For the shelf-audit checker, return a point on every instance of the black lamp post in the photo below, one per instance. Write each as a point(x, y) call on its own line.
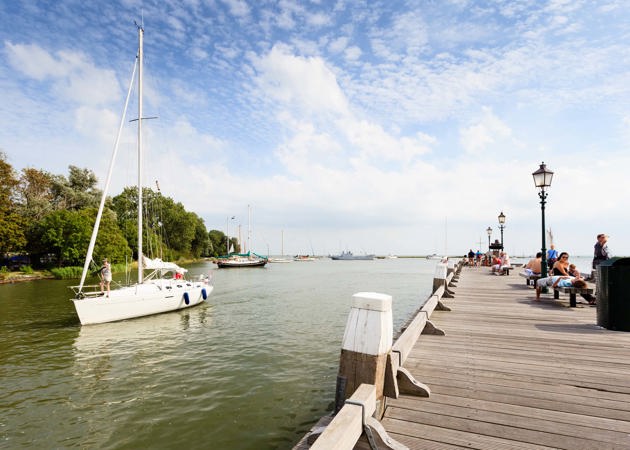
point(542, 180)
point(502, 226)
point(489, 231)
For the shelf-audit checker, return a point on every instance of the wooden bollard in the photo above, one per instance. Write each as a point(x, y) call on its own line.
point(366, 342)
point(439, 279)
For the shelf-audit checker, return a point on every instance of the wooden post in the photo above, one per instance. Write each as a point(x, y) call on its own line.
point(366, 342)
point(439, 279)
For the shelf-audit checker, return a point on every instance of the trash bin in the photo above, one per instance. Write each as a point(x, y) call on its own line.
point(613, 294)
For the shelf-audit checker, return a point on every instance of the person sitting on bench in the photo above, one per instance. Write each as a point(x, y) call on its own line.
point(533, 266)
point(559, 281)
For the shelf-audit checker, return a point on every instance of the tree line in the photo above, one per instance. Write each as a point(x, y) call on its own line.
point(50, 217)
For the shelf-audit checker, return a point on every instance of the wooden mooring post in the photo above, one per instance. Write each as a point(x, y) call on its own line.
point(370, 367)
point(366, 342)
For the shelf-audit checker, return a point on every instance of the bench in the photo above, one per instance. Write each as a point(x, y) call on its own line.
point(528, 278)
point(572, 291)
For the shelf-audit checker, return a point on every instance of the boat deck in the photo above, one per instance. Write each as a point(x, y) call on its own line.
point(513, 373)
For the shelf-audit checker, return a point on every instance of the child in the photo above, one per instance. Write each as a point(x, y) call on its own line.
point(574, 272)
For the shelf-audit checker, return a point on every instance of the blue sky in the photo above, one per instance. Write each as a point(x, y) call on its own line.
point(384, 126)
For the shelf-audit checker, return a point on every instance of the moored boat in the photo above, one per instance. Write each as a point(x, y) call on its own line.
point(349, 256)
point(241, 260)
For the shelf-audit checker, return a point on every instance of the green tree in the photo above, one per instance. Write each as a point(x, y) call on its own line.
point(110, 242)
point(35, 190)
point(76, 192)
point(64, 233)
point(218, 241)
point(200, 244)
point(12, 236)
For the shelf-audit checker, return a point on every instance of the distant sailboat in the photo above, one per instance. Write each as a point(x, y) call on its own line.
point(239, 260)
point(282, 259)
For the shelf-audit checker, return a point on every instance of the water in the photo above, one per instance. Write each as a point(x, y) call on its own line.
point(252, 368)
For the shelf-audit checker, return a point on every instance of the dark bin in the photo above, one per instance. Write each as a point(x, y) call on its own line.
point(613, 294)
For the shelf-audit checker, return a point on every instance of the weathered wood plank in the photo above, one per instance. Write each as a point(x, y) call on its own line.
point(515, 373)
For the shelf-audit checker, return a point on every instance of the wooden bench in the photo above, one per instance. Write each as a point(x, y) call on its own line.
point(528, 278)
point(572, 291)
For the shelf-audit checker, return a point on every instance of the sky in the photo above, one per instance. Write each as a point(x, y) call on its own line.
point(387, 127)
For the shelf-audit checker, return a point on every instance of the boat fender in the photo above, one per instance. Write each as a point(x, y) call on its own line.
point(186, 298)
point(204, 294)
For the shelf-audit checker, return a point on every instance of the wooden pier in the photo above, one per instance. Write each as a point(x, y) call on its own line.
point(513, 373)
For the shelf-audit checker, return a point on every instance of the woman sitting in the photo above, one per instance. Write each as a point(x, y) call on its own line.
point(561, 266)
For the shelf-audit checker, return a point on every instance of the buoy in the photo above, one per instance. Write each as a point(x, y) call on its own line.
point(186, 298)
point(204, 294)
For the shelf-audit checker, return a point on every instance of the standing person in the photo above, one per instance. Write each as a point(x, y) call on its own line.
point(471, 257)
point(552, 255)
point(106, 275)
point(601, 253)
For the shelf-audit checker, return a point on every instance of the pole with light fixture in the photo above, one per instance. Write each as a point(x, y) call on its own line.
point(489, 231)
point(501, 227)
point(542, 180)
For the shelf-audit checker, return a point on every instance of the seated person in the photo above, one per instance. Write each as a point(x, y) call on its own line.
point(561, 266)
point(574, 272)
point(559, 281)
point(496, 264)
point(505, 260)
point(533, 266)
point(502, 263)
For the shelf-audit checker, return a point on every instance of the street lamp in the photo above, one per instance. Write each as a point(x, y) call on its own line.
point(489, 231)
point(542, 180)
point(502, 226)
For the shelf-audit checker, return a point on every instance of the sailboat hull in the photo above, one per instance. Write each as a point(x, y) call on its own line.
point(152, 297)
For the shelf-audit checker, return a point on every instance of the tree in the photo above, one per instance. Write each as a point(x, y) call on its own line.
point(64, 233)
point(110, 242)
point(76, 192)
point(35, 190)
point(12, 237)
point(218, 242)
point(200, 244)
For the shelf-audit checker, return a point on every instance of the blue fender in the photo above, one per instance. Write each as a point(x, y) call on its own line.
point(204, 294)
point(186, 298)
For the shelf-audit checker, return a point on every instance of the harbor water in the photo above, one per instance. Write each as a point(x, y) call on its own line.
point(252, 368)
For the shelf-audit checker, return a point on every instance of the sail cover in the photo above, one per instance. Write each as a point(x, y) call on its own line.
point(158, 264)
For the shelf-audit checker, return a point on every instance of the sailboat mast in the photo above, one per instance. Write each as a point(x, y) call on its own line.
point(249, 227)
point(140, 61)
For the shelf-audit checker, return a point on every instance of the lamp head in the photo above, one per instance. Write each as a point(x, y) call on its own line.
point(543, 176)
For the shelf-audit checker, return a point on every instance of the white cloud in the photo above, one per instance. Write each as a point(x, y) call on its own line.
point(74, 77)
point(35, 62)
point(303, 81)
point(489, 129)
point(238, 8)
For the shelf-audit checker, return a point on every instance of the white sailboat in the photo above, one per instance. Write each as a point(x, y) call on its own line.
point(282, 259)
point(155, 293)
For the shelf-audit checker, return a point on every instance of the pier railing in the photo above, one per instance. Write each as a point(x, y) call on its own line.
point(371, 366)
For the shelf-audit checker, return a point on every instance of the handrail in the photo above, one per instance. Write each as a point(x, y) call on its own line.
point(408, 338)
point(347, 426)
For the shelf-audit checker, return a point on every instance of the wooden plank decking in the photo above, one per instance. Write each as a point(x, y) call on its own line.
point(513, 373)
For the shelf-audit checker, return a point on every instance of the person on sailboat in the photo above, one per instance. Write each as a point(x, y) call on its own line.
point(106, 275)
